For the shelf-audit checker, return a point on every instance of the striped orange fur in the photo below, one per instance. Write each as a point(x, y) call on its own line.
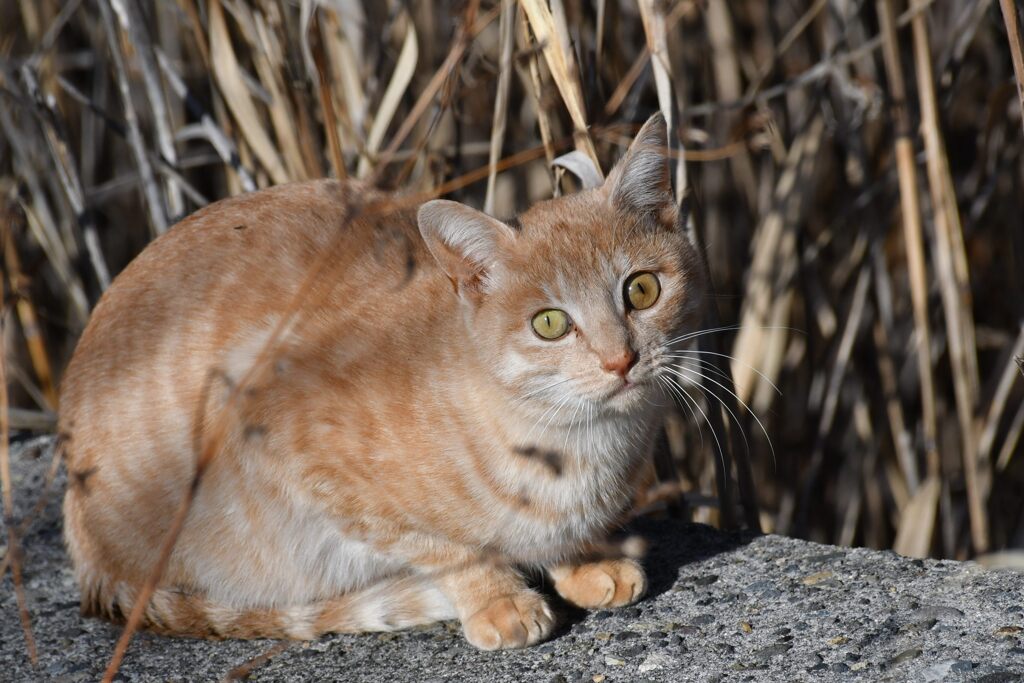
point(415, 447)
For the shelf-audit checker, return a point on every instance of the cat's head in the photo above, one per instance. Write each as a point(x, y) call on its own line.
point(578, 301)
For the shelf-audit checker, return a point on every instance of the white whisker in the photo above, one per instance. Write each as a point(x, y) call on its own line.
point(732, 358)
point(721, 452)
point(740, 401)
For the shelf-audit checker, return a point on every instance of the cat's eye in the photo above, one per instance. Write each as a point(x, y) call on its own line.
point(551, 324)
point(642, 290)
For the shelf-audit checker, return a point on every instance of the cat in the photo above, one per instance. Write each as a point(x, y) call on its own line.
point(459, 401)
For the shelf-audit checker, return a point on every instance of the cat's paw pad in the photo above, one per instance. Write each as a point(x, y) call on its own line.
point(608, 583)
point(511, 621)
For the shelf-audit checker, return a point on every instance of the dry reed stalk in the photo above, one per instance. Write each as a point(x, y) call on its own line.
point(130, 17)
point(918, 518)
point(400, 78)
point(228, 76)
point(13, 541)
point(954, 285)
point(506, 41)
point(343, 57)
point(269, 62)
point(535, 87)
point(1000, 398)
point(1016, 41)
point(27, 313)
point(68, 176)
point(728, 86)
point(836, 376)
point(467, 32)
point(774, 254)
point(154, 201)
point(326, 99)
point(1013, 438)
point(552, 34)
point(901, 438)
point(656, 30)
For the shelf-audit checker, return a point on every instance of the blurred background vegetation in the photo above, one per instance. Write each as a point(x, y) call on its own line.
point(856, 170)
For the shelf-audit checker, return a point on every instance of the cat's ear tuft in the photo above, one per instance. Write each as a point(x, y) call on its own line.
point(640, 182)
point(466, 243)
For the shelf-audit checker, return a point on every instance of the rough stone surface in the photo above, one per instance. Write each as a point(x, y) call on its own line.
point(721, 608)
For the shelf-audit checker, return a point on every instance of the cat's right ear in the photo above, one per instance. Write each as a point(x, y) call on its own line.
point(466, 243)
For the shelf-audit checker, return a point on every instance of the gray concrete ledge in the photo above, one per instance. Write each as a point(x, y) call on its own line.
point(721, 608)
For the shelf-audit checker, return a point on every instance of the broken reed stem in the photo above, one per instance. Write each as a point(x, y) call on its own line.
point(13, 542)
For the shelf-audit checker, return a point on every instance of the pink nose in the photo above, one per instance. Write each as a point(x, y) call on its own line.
point(621, 363)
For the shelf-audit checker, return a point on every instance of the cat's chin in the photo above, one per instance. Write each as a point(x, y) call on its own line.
point(627, 397)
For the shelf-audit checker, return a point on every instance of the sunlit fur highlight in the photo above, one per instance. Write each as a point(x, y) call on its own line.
point(415, 449)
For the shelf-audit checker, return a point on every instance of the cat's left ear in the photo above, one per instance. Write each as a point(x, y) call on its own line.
point(640, 182)
point(466, 243)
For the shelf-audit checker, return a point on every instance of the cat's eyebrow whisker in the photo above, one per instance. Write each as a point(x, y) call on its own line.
point(760, 374)
point(732, 393)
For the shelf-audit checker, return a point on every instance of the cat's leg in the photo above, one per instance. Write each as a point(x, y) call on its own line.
point(496, 607)
point(603, 583)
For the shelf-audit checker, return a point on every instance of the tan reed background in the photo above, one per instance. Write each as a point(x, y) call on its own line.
point(856, 171)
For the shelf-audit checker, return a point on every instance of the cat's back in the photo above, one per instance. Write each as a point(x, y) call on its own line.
point(217, 280)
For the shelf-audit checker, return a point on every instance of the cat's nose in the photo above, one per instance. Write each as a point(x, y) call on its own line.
point(621, 363)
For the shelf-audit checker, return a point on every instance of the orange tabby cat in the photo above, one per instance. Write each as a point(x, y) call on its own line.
point(426, 434)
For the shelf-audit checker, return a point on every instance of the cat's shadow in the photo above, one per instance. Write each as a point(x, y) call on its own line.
point(671, 545)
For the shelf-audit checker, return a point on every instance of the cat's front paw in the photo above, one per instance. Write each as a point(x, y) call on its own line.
point(608, 583)
point(511, 621)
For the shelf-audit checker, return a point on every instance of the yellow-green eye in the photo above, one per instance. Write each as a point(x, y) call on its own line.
point(551, 323)
point(642, 290)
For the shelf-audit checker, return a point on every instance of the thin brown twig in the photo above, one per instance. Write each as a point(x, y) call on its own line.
point(13, 540)
point(326, 101)
point(245, 669)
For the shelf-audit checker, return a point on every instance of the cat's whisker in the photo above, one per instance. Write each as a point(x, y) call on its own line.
point(732, 393)
point(721, 452)
point(731, 358)
point(703, 364)
point(727, 328)
point(701, 333)
point(545, 388)
point(700, 431)
point(551, 411)
point(711, 394)
point(569, 427)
